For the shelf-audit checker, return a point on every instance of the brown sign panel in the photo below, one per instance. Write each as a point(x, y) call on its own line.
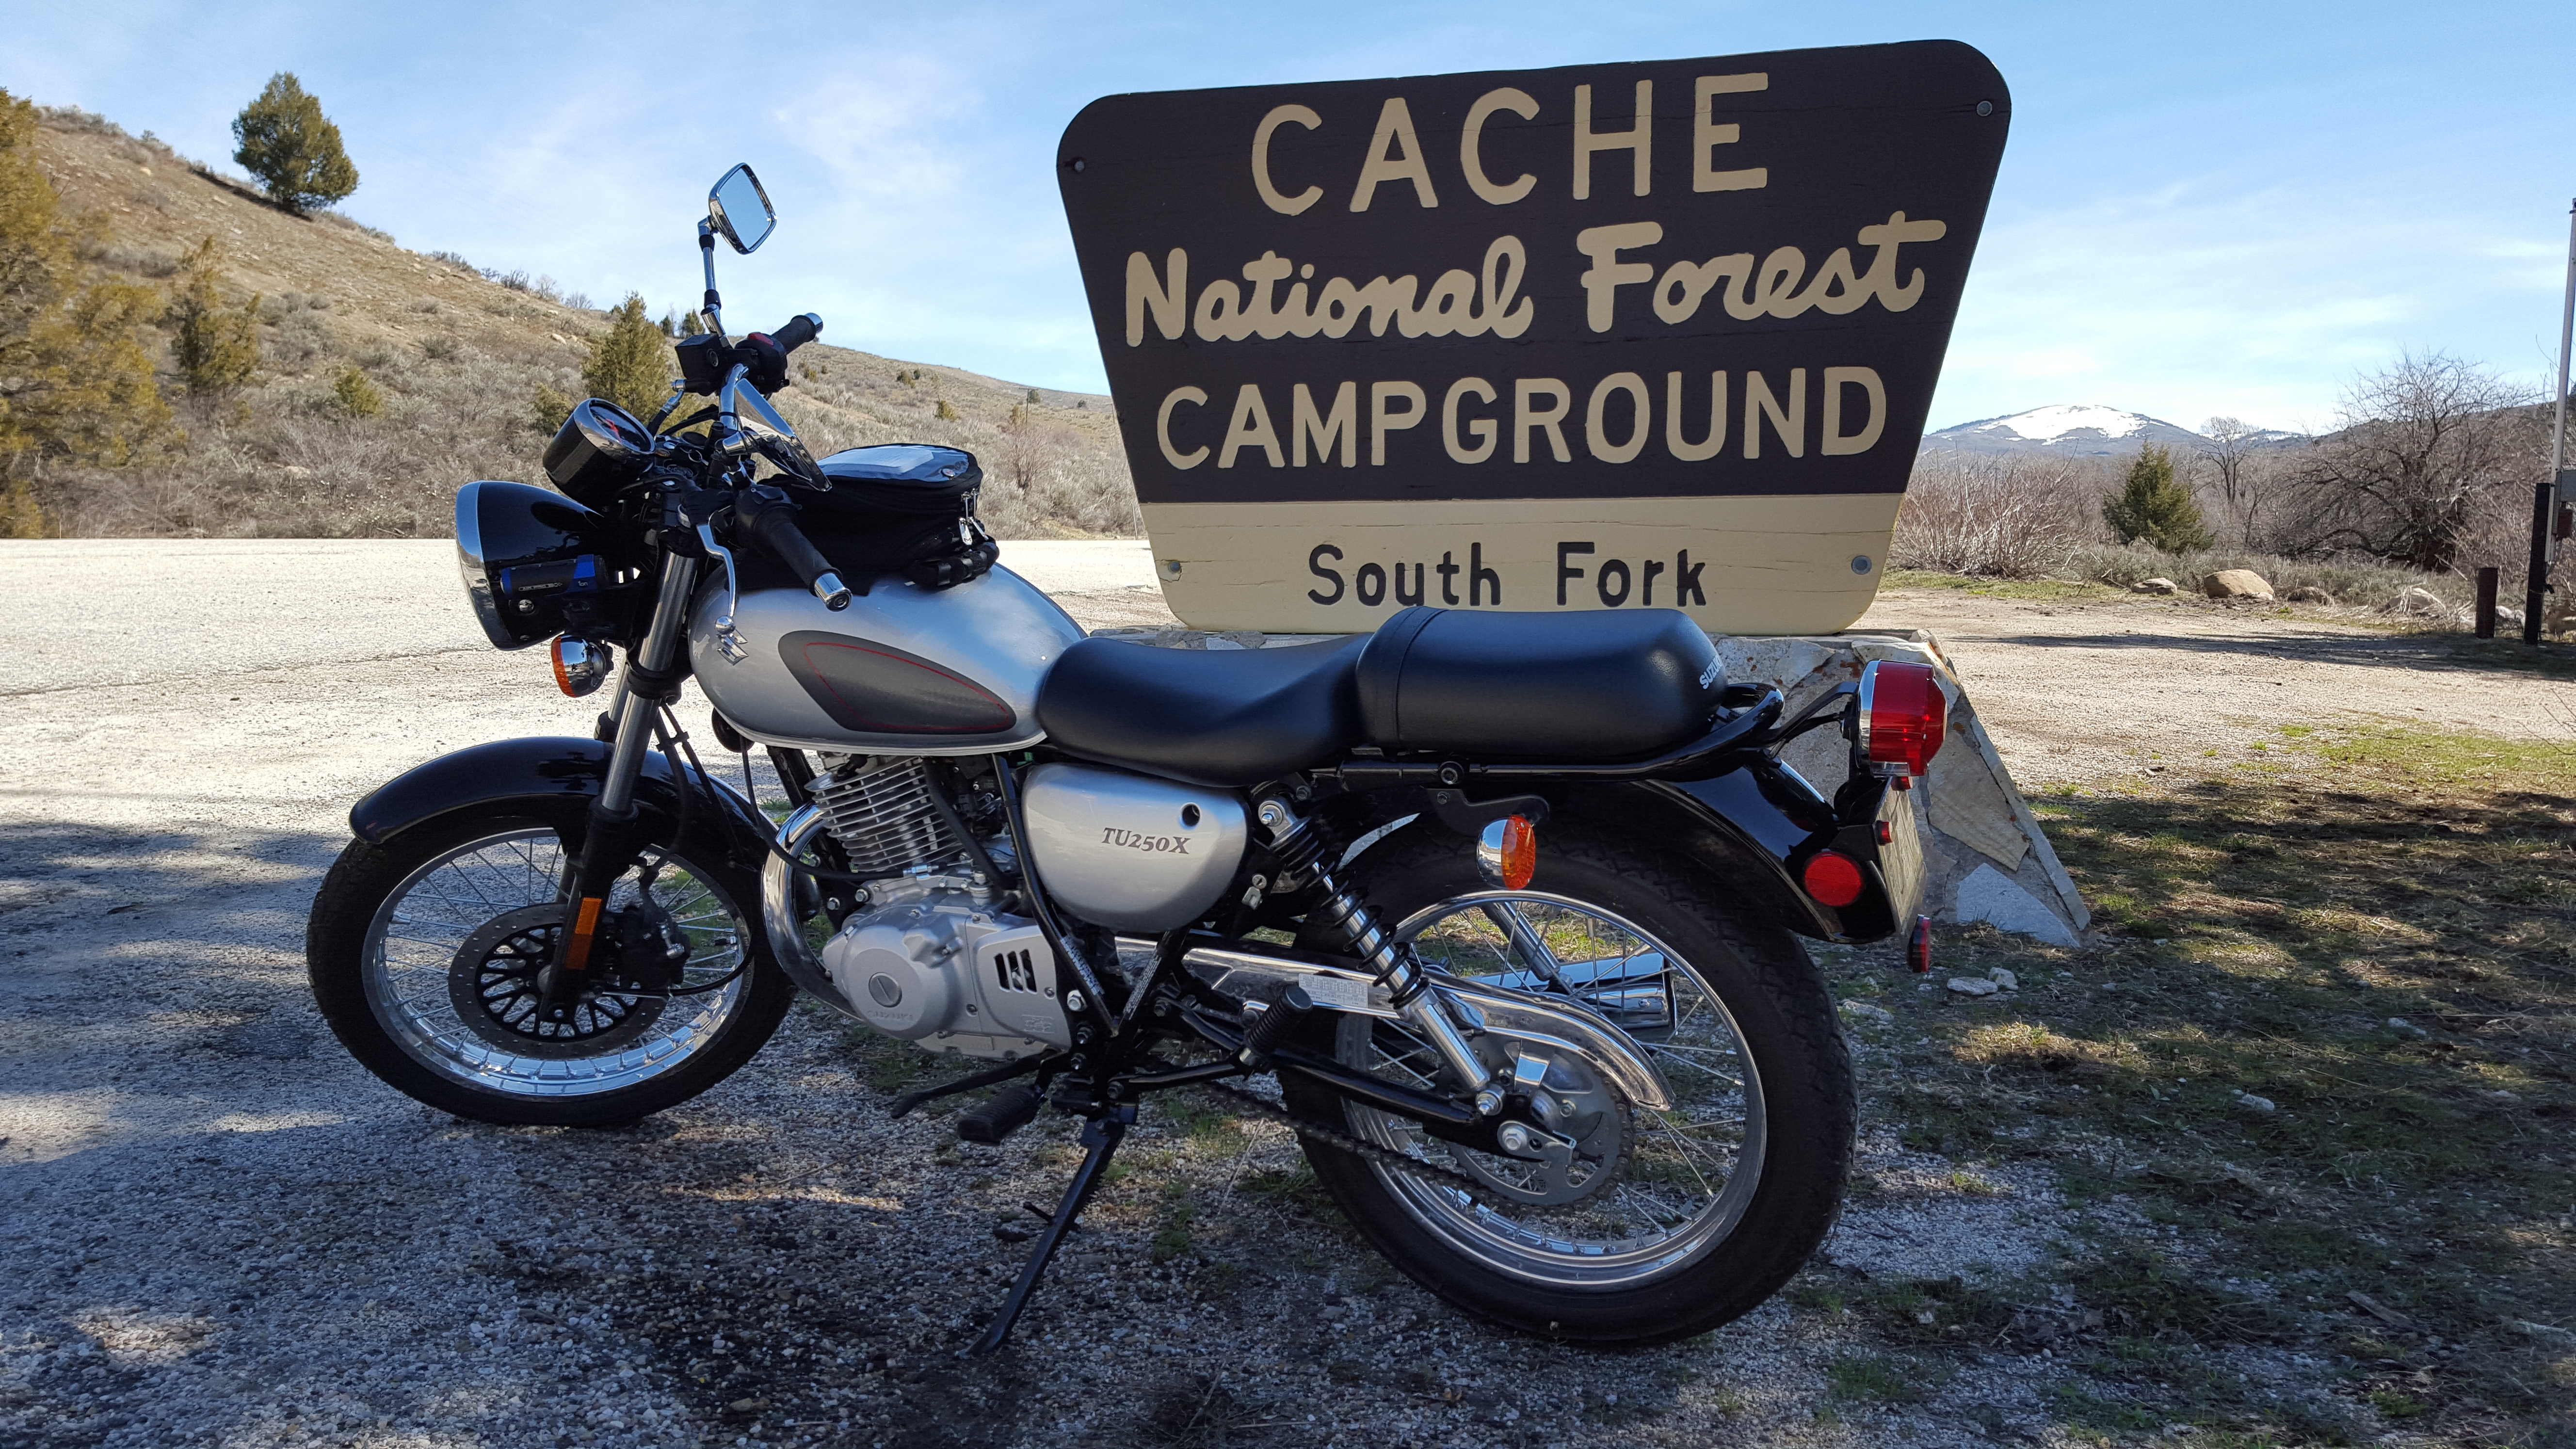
point(1594, 337)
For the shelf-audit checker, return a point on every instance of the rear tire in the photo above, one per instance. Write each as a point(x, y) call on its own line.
point(1677, 1187)
point(393, 925)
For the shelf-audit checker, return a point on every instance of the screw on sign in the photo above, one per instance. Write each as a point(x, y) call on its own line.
point(1659, 334)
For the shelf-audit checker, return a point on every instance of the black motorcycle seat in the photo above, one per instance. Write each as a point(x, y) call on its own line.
point(1206, 717)
point(1593, 685)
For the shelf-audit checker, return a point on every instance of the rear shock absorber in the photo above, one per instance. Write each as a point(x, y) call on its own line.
point(1299, 848)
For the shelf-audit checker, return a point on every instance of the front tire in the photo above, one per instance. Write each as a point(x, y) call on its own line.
point(418, 950)
point(1697, 1214)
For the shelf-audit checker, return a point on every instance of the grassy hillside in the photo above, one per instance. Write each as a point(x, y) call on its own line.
point(457, 357)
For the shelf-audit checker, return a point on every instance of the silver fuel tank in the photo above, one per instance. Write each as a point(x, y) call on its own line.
point(902, 670)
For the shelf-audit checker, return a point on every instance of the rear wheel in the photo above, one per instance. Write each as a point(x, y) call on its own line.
point(1660, 1223)
point(424, 952)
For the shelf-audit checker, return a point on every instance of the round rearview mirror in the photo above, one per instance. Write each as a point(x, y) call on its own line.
point(740, 209)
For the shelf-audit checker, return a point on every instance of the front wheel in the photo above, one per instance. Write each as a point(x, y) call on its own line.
point(424, 953)
point(1660, 1224)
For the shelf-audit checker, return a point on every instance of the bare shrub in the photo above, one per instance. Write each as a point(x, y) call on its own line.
point(1028, 447)
point(2352, 578)
point(2006, 517)
point(2426, 447)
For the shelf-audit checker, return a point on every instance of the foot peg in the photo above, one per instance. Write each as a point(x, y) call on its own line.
point(1271, 1029)
point(1007, 1112)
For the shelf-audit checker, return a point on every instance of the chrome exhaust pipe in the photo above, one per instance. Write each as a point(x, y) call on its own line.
point(784, 919)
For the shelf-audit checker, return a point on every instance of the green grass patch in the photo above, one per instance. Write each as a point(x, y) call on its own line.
point(883, 1063)
point(2224, 1062)
point(1868, 1378)
point(2066, 589)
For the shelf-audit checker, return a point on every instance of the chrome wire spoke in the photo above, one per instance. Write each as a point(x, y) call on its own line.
point(610, 1041)
point(1677, 1178)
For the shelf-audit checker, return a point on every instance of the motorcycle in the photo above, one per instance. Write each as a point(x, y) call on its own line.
point(1505, 906)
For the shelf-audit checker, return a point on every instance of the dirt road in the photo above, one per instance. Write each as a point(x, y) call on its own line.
point(217, 1229)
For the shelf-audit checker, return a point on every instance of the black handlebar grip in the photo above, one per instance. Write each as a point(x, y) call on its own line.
point(799, 330)
point(770, 518)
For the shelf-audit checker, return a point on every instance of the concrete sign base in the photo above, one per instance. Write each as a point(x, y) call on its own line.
point(1985, 856)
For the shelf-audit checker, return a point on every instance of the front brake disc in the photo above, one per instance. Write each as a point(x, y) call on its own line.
point(492, 984)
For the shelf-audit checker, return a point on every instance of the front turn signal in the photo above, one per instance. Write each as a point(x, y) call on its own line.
point(580, 665)
point(1507, 853)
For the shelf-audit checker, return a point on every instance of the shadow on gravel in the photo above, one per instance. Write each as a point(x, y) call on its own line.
point(2402, 651)
point(56, 874)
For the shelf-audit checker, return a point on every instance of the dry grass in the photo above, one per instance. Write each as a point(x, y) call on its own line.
point(457, 357)
point(2371, 931)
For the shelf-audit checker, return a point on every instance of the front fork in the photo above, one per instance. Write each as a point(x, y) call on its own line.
point(615, 830)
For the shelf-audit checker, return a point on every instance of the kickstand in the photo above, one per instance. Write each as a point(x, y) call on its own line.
point(907, 1104)
point(1100, 1138)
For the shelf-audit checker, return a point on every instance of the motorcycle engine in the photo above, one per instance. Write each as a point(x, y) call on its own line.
point(927, 956)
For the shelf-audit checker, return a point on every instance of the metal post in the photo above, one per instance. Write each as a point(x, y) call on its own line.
point(2487, 602)
point(2544, 503)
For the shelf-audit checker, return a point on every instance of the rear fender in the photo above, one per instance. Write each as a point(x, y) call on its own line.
point(1757, 825)
point(553, 779)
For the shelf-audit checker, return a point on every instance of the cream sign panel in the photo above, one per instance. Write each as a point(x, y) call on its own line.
point(1599, 337)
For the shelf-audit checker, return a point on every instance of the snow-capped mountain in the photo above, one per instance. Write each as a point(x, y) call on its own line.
point(2065, 428)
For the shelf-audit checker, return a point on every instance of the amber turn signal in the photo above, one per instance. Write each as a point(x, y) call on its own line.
point(1833, 878)
point(1507, 853)
point(580, 665)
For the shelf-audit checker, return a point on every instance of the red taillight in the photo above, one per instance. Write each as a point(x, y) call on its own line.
point(1903, 715)
point(1833, 878)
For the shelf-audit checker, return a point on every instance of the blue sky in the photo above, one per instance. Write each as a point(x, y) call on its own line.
point(2204, 208)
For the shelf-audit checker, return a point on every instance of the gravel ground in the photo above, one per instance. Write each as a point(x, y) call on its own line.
point(215, 1228)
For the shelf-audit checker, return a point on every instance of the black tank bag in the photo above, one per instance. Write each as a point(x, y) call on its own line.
point(894, 508)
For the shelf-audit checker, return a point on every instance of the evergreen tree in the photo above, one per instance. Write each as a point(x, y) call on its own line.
point(631, 363)
point(217, 347)
point(356, 395)
point(550, 405)
point(691, 325)
point(292, 148)
point(75, 381)
point(2155, 506)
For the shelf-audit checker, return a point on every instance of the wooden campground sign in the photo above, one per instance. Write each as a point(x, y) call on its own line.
point(1603, 336)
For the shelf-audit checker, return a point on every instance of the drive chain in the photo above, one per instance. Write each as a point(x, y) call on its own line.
point(1382, 1156)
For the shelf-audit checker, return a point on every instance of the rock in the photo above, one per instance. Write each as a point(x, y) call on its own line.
point(1010, 1234)
point(2156, 586)
point(2403, 1027)
point(2004, 979)
point(1973, 986)
point(2418, 603)
point(2307, 594)
point(2252, 1103)
point(2236, 584)
point(1864, 1011)
point(1991, 896)
point(2509, 618)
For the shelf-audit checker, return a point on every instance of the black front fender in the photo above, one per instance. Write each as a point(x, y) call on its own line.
point(553, 779)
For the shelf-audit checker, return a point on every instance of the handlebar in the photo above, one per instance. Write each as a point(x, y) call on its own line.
point(799, 330)
point(769, 516)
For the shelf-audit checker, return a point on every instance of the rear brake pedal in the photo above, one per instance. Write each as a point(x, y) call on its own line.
point(1007, 1112)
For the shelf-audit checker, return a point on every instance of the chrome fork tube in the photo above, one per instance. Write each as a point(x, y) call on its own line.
point(635, 710)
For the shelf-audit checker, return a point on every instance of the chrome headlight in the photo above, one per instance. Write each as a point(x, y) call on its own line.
point(470, 564)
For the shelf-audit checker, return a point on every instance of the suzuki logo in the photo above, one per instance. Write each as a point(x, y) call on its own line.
point(1150, 844)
